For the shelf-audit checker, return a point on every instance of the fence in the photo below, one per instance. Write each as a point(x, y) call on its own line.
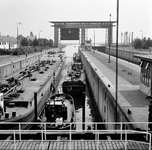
point(94, 134)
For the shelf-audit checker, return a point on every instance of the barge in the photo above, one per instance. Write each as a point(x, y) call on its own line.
point(21, 108)
point(60, 112)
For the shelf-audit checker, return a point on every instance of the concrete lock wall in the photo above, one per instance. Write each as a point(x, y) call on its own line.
point(125, 54)
point(14, 66)
point(103, 95)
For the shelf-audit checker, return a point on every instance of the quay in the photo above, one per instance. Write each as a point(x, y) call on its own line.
point(132, 102)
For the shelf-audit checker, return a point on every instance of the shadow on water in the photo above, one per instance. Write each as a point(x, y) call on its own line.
point(96, 117)
point(91, 110)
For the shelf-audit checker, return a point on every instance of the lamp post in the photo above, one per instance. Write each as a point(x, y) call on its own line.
point(117, 61)
point(141, 38)
point(121, 37)
point(109, 37)
point(49, 36)
point(141, 34)
point(18, 23)
point(49, 39)
point(39, 33)
point(40, 40)
point(94, 38)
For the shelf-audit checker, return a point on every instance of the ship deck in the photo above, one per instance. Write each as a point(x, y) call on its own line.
point(30, 87)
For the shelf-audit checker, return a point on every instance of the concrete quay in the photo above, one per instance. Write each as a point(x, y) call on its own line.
point(129, 95)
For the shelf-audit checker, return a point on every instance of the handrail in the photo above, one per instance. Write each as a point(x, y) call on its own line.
point(97, 140)
point(89, 123)
point(94, 125)
point(123, 132)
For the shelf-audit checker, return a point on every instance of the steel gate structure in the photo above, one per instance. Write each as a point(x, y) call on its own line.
point(82, 26)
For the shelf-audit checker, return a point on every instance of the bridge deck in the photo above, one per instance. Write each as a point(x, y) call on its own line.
point(75, 145)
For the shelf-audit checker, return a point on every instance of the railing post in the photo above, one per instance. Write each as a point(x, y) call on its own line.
point(45, 130)
point(70, 136)
point(35, 105)
point(14, 141)
point(42, 138)
point(147, 131)
point(20, 131)
point(96, 126)
point(98, 141)
point(125, 139)
point(121, 131)
point(149, 141)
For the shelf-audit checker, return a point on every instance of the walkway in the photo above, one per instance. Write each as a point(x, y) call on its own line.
point(129, 96)
point(75, 145)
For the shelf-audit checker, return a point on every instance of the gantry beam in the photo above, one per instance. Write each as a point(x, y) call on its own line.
point(82, 25)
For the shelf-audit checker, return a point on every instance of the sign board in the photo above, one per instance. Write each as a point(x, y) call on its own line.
point(69, 33)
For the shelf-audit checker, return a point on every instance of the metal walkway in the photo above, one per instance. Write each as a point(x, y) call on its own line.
point(93, 139)
point(73, 145)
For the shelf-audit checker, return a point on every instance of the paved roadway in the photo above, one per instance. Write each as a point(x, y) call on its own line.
point(129, 96)
point(4, 59)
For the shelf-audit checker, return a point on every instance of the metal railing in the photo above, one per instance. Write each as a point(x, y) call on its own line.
point(96, 133)
point(141, 126)
point(69, 141)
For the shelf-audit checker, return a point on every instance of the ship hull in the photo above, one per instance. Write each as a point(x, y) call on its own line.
point(73, 87)
point(60, 112)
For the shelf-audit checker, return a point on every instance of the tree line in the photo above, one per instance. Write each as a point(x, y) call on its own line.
point(43, 42)
point(142, 43)
point(138, 43)
point(28, 44)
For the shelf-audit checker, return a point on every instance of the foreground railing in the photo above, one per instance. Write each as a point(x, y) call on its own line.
point(140, 126)
point(92, 134)
point(70, 142)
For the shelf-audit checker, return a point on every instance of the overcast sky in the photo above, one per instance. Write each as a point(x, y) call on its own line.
point(34, 15)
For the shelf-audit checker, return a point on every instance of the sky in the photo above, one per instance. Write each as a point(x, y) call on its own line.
point(34, 15)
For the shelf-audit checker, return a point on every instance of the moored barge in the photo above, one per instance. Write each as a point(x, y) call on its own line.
point(60, 112)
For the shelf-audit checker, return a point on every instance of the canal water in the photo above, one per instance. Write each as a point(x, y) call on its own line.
point(91, 114)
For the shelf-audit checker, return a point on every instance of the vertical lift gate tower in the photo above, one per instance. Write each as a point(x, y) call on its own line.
point(75, 30)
